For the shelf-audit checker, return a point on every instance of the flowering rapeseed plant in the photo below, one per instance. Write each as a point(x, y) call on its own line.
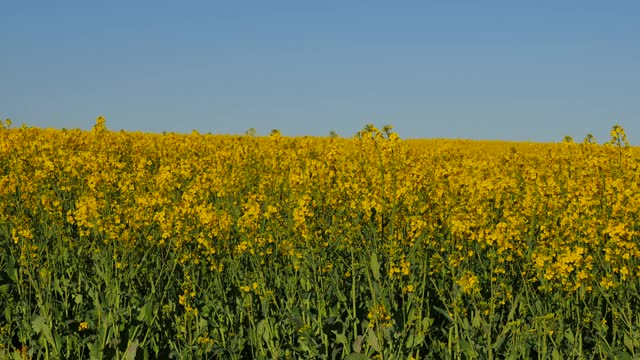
point(216, 237)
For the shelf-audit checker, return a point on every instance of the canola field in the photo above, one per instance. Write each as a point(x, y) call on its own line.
point(125, 245)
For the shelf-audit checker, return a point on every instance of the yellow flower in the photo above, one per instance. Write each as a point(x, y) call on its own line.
point(468, 283)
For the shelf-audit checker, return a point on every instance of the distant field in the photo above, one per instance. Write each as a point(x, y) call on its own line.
point(130, 245)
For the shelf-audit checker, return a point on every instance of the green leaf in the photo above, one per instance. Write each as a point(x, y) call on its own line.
point(426, 323)
point(202, 325)
point(40, 326)
point(375, 266)
point(357, 344)
point(443, 312)
point(95, 350)
point(604, 347)
point(570, 337)
point(414, 341)
point(468, 349)
point(7, 314)
point(341, 339)
point(130, 354)
point(12, 273)
point(623, 355)
point(356, 356)
point(263, 330)
point(477, 320)
point(465, 325)
point(78, 299)
point(372, 339)
point(145, 313)
point(628, 342)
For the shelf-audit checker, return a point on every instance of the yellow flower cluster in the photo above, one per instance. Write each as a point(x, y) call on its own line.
point(468, 283)
point(379, 316)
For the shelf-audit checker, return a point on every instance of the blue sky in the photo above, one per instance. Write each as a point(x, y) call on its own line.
point(511, 70)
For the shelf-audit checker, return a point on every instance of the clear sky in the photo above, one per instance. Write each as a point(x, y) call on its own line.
point(511, 70)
